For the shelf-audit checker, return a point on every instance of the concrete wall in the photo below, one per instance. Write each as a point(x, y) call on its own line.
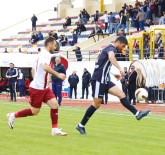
point(91, 6)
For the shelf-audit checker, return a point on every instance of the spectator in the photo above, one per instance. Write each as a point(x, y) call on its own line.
point(77, 51)
point(5, 51)
point(124, 82)
point(146, 48)
point(149, 22)
point(87, 16)
point(161, 52)
point(141, 17)
point(132, 84)
point(140, 79)
point(73, 81)
point(67, 23)
point(158, 40)
point(121, 33)
point(12, 74)
point(74, 39)
point(34, 20)
point(56, 82)
point(63, 40)
point(80, 28)
point(21, 83)
point(96, 17)
point(52, 34)
point(19, 50)
point(92, 33)
point(34, 38)
point(106, 17)
point(122, 23)
point(111, 20)
point(2, 85)
point(162, 19)
point(99, 31)
point(127, 20)
point(136, 20)
point(85, 83)
point(40, 36)
point(82, 17)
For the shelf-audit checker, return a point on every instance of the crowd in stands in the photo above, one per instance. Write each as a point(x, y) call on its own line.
point(141, 15)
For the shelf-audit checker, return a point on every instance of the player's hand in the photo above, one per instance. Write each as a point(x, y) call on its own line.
point(62, 76)
point(121, 72)
point(117, 76)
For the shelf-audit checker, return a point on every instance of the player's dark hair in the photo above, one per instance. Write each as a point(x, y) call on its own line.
point(48, 40)
point(122, 39)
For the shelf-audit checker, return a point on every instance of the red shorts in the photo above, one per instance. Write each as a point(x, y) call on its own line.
point(39, 96)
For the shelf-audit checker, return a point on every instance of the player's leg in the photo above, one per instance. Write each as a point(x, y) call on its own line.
point(130, 95)
point(59, 92)
point(71, 91)
point(83, 89)
point(98, 91)
point(23, 113)
point(11, 92)
point(133, 96)
point(75, 91)
point(114, 90)
point(14, 91)
point(53, 104)
point(87, 91)
point(36, 99)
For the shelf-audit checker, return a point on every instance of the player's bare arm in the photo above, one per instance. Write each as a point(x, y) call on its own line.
point(48, 69)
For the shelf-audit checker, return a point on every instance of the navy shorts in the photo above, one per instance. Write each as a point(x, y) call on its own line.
point(99, 89)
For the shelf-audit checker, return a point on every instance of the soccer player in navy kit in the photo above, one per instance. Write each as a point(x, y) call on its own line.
point(101, 84)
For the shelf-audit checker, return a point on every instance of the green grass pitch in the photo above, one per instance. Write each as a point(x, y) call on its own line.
point(109, 133)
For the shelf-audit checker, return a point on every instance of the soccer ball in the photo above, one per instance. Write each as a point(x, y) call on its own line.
point(141, 94)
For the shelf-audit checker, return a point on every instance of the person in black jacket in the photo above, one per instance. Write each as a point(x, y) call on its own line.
point(96, 17)
point(12, 74)
point(67, 23)
point(122, 23)
point(80, 28)
point(132, 85)
point(124, 82)
point(34, 20)
point(56, 82)
point(77, 51)
point(53, 34)
point(73, 81)
point(85, 83)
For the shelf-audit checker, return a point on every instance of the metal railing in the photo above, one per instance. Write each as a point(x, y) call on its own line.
point(92, 55)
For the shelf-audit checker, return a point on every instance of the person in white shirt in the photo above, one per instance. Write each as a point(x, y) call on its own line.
point(106, 19)
point(162, 19)
point(39, 90)
point(21, 83)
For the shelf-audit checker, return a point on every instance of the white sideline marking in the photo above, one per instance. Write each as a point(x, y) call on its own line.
point(99, 111)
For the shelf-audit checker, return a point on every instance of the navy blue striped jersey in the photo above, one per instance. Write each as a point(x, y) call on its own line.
point(103, 65)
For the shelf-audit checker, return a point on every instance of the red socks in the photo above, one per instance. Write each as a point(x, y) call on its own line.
point(28, 112)
point(54, 117)
point(23, 113)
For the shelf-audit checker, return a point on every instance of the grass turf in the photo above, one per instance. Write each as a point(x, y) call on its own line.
point(109, 133)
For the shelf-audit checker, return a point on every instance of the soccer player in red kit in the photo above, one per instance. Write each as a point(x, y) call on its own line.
point(39, 90)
